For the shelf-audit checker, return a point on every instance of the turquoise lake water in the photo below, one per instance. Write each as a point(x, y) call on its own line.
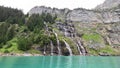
point(60, 62)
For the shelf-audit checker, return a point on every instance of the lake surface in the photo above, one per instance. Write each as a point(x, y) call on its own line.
point(60, 62)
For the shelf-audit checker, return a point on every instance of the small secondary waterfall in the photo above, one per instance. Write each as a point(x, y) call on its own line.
point(65, 32)
point(46, 26)
point(79, 49)
point(44, 51)
point(68, 47)
point(51, 47)
point(82, 49)
point(58, 44)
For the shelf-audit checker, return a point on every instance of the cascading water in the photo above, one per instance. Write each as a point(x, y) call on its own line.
point(65, 32)
point(82, 49)
point(46, 26)
point(68, 47)
point(51, 47)
point(79, 49)
point(44, 51)
point(58, 44)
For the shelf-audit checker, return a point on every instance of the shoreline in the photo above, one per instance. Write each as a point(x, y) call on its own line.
point(29, 54)
point(18, 54)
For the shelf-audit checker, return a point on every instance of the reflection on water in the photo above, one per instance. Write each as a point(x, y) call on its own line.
point(60, 62)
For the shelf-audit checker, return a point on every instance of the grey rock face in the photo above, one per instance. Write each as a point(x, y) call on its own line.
point(61, 13)
point(67, 28)
point(81, 15)
point(114, 34)
point(108, 4)
point(109, 17)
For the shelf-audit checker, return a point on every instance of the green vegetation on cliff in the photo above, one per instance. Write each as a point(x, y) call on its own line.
point(92, 37)
point(39, 34)
point(19, 32)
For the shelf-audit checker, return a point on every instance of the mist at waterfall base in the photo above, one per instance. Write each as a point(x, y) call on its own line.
point(60, 62)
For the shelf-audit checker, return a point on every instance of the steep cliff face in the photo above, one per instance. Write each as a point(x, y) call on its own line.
point(61, 13)
point(81, 15)
point(95, 32)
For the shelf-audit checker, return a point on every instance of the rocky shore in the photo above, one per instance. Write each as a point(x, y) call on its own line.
point(29, 54)
point(17, 54)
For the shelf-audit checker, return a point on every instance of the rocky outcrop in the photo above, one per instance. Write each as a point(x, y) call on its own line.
point(83, 15)
point(114, 33)
point(61, 13)
point(108, 4)
point(109, 17)
point(67, 28)
point(80, 14)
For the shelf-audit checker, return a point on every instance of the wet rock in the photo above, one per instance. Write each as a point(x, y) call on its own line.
point(96, 46)
point(104, 54)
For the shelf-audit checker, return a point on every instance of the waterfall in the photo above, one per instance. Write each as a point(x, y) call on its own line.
point(78, 47)
point(44, 51)
point(58, 43)
point(68, 47)
point(81, 47)
point(65, 32)
point(51, 47)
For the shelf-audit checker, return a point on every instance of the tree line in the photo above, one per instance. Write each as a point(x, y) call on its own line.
point(29, 30)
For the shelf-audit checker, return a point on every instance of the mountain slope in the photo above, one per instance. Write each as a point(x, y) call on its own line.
point(52, 31)
point(93, 32)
